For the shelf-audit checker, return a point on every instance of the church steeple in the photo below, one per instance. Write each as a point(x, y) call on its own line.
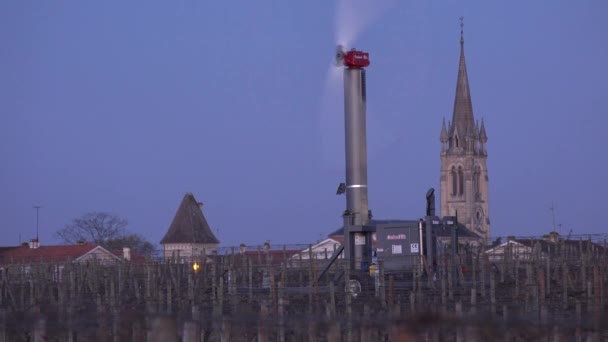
point(462, 118)
point(464, 171)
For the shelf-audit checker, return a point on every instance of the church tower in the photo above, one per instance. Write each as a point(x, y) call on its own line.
point(464, 172)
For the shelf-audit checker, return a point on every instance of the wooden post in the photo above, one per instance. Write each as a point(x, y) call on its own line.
point(516, 293)
point(312, 330)
point(503, 267)
point(541, 287)
point(412, 303)
point(458, 309)
point(281, 313)
point(333, 331)
point(473, 300)
point(450, 280)
point(220, 294)
point(483, 276)
point(443, 287)
point(391, 289)
point(250, 279)
point(474, 270)
point(493, 291)
point(548, 281)
point(310, 279)
point(348, 300)
point(366, 331)
point(163, 329)
point(382, 284)
point(40, 330)
point(597, 287)
point(262, 331)
point(565, 285)
point(169, 296)
point(226, 330)
point(583, 283)
point(332, 299)
point(3, 335)
point(191, 332)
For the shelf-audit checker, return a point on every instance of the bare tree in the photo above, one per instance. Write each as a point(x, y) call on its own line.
point(96, 227)
point(136, 242)
point(107, 230)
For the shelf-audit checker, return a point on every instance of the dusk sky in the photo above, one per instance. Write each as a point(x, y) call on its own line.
point(125, 106)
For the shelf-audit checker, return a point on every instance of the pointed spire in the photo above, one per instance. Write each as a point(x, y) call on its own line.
point(444, 133)
point(482, 133)
point(463, 109)
point(189, 224)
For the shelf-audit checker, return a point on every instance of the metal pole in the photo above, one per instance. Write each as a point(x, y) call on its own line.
point(37, 207)
point(355, 145)
point(356, 241)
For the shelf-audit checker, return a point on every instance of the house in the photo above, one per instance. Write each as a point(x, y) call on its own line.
point(322, 250)
point(551, 245)
point(33, 253)
point(517, 251)
point(189, 235)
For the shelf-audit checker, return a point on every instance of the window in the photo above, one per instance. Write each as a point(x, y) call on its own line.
point(454, 181)
point(460, 181)
point(476, 183)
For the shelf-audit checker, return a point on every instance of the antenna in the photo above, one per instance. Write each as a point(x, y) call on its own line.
point(37, 207)
point(553, 214)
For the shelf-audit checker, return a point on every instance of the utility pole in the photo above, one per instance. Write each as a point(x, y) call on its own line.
point(37, 207)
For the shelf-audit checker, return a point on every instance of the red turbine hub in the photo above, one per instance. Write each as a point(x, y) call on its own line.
point(356, 59)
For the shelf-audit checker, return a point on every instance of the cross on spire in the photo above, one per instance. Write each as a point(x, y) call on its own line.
point(461, 30)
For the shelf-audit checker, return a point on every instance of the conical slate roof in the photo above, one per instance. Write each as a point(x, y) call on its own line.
point(462, 118)
point(189, 224)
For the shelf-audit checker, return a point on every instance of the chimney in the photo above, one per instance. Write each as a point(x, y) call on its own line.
point(200, 205)
point(34, 243)
point(80, 242)
point(126, 253)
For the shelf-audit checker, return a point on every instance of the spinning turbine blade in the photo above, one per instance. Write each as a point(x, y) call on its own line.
point(352, 18)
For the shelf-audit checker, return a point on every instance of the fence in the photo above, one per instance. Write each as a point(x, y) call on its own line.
point(543, 290)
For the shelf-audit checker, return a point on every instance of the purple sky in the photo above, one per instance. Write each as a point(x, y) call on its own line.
point(124, 106)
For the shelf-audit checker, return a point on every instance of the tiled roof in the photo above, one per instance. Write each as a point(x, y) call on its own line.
point(340, 231)
point(56, 253)
point(555, 247)
point(441, 231)
point(275, 257)
point(44, 253)
point(189, 224)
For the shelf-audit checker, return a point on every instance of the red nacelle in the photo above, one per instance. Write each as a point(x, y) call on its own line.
point(356, 59)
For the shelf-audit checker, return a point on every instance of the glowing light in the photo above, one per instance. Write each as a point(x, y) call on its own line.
point(196, 267)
